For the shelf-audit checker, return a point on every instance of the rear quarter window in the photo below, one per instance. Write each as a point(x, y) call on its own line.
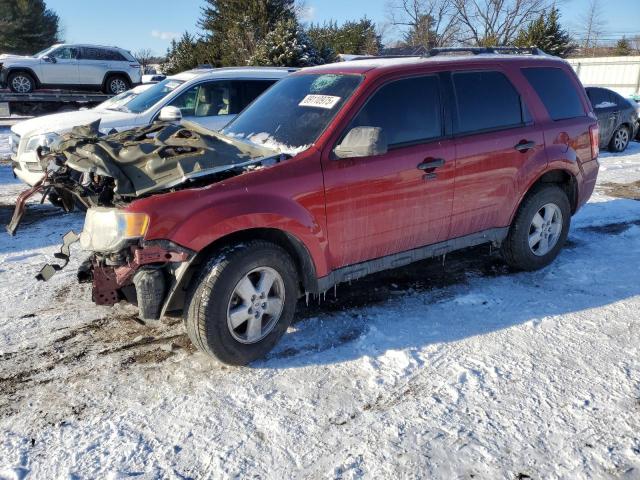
point(486, 100)
point(558, 92)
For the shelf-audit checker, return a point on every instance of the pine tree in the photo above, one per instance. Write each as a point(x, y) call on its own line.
point(287, 45)
point(233, 28)
point(422, 34)
point(27, 26)
point(183, 54)
point(353, 38)
point(623, 47)
point(546, 33)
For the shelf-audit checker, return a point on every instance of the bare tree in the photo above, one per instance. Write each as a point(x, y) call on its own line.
point(592, 26)
point(144, 57)
point(495, 22)
point(429, 23)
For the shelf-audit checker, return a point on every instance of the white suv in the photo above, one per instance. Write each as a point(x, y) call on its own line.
point(110, 69)
point(210, 97)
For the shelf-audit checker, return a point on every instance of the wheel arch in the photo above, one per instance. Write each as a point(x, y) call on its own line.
point(305, 267)
point(112, 73)
point(30, 71)
point(565, 179)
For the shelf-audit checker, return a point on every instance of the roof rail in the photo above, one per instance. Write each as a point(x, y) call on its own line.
point(483, 50)
point(373, 57)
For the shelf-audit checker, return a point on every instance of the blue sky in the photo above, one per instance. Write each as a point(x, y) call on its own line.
point(135, 24)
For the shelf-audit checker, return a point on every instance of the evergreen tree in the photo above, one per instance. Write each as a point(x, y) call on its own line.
point(623, 47)
point(183, 54)
point(422, 33)
point(233, 28)
point(546, 33)
point(287, 45)
point(27, 26)
point(353, 38)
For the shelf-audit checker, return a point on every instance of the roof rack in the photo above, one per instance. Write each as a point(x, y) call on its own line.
point(483, 50)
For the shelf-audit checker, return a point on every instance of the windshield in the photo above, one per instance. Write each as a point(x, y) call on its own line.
point(117, 103)
point(45, 51)
point(293, 113)
point(153, 95)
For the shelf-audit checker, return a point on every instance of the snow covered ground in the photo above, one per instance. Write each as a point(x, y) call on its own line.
point(462, 371)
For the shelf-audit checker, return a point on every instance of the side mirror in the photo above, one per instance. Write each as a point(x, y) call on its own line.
point(170, 114)
point(362, 142)
point(49, 59)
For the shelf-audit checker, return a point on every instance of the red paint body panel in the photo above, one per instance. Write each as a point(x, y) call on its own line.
point(351, 210)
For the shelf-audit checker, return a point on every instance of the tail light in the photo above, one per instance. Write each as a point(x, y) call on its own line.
point(594, 133)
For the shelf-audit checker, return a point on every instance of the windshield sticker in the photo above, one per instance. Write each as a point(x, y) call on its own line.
point(319, 101)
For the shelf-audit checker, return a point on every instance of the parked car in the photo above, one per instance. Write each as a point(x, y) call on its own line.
point(634, 100)
point(210, 97)
point(110, 69)
point(617, 118)
point(336, 172)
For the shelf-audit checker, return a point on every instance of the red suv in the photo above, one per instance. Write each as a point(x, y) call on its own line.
point(383, 162)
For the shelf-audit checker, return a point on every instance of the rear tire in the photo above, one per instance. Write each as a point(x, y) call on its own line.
point(539, 229)
point(116, 84)
point(232, 311)
point(620, 139)
point(21, 82)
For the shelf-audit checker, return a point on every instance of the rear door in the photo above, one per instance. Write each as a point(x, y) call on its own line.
point(93, 66)
point(606, 110)
point(495, 139)
point(62, 69)
point(386, 204)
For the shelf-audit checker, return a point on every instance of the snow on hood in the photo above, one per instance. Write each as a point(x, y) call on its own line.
point(263, 139)
point(64, 122)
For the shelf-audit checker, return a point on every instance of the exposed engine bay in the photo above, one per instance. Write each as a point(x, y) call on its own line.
point(87, 168)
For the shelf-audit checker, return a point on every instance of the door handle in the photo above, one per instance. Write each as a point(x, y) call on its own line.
point(430, 163)
point(523, 146)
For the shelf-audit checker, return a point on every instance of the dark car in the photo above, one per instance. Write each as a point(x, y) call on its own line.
point(617, 118)
point(334, 173)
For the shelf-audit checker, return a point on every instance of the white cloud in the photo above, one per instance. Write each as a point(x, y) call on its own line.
point(307, 13)
point(164, 35)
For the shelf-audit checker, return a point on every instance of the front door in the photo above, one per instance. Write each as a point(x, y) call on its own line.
point(61, 68)
point(386, 204)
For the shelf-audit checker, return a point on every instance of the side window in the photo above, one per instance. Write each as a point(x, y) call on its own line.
point(619, 100)
point(486, 100)
point(209, 100)
point(252, 89)
point(114, 56)
point(600, 98)
point(408, 111)
point(556, 90)
point(65, 53)
point(90, 53)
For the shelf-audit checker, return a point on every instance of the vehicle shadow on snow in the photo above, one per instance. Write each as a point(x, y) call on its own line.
point(429, 303)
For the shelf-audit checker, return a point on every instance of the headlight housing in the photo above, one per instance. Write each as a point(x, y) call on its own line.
point(43, 140)
point(108, 230)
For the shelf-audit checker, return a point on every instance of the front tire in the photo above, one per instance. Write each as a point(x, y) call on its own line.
point(539, 229)
point(21, 82)
point(242, 302)
point(620, 139)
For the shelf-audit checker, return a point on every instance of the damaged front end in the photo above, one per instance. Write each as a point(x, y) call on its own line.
point(105, 173)
point(88, 169)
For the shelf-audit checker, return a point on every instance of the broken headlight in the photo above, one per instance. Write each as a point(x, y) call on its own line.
point(110, 229)
point(44, 140)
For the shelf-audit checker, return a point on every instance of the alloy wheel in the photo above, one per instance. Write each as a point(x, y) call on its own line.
point(255, 305)
point(545, 229)
point(621, 139)
point(118, 86)
point(21, 84)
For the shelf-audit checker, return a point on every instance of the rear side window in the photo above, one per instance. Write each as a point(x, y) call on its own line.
point(486, 101)
point(251, 89)
point(408, 111)
point(556, 90)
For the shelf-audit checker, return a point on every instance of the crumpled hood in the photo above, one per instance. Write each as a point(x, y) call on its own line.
point(156, 157)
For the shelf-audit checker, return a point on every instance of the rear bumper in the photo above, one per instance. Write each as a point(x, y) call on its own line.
point(587, 183)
